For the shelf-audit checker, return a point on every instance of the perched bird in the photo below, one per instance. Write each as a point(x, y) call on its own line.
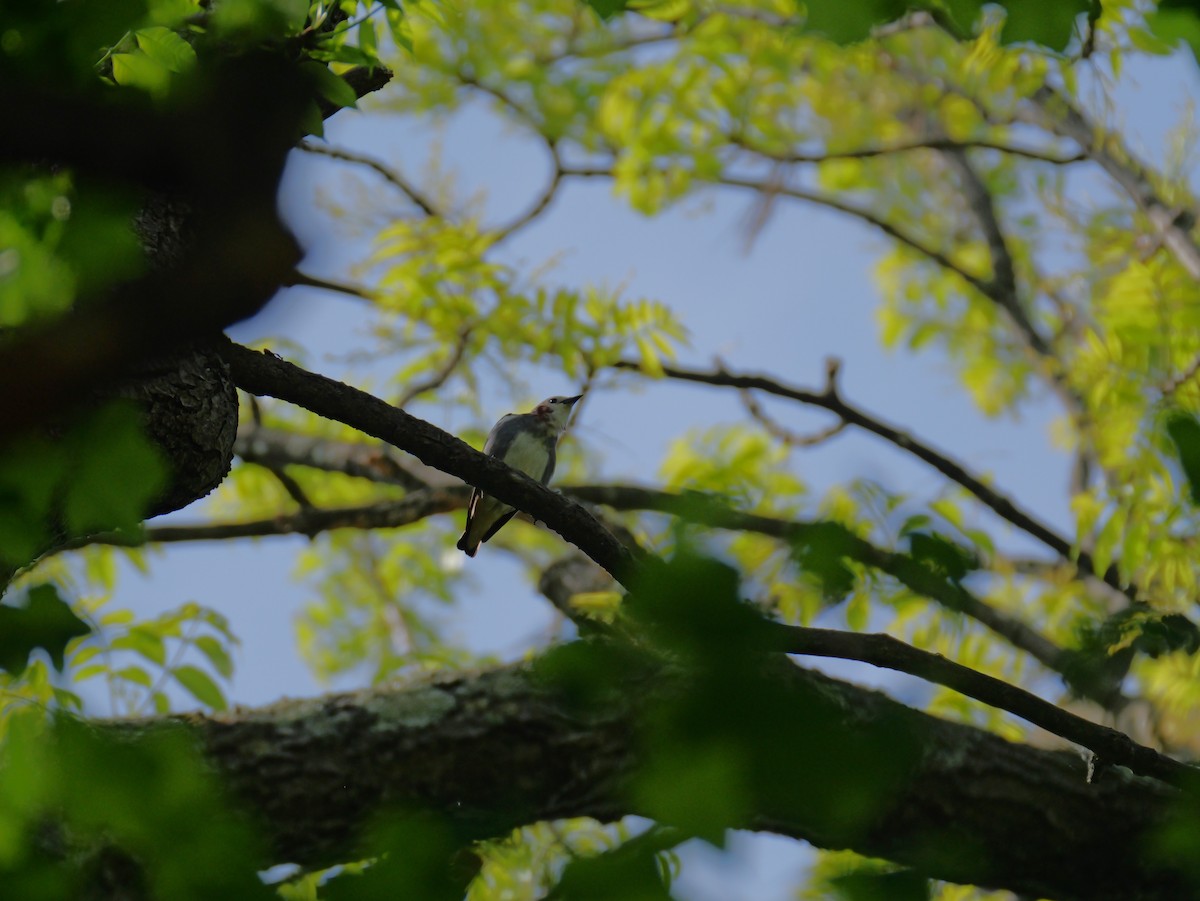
point(525, 441)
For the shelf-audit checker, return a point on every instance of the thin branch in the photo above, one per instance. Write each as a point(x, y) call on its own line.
point(1004, 272)
point(301, 279)
point(692, 507)
point(542, 201)
point(311, 521)
point(913, 243)
point(999, 503)
point(291, 486)
point(392, 175)
point(1111, 746)
point(379, 463)
point(787, 436)
point(916, 144)
point(438, 378)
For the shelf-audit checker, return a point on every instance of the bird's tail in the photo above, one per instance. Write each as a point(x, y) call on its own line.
point(465, 547)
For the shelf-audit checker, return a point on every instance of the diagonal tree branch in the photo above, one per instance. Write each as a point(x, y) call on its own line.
point(390, 174)
point(890, 229)
point(994, 500)
point(694, 507)
point(263, 373)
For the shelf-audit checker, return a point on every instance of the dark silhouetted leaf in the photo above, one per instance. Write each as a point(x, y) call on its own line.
point(1184, 431)
point(45, 621)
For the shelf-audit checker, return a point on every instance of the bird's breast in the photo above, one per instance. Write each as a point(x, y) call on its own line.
point(528, 453)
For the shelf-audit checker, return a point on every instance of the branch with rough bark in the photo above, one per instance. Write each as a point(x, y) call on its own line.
point(493, 750)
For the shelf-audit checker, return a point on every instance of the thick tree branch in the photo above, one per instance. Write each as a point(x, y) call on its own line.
point(494, 750)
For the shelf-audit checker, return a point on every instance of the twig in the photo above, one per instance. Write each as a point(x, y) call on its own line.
point(438, 378)
point(785, 435)
point(542, 201)
point(290, 485)
point(908, 146)
point(301, 279)
point(391, 175)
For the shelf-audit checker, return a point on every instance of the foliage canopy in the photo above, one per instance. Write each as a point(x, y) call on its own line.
point(138, 219)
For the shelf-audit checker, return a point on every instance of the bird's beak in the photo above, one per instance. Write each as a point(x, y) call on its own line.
point(572, 400)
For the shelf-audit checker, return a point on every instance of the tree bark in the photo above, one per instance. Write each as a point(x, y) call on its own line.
point(496, 749)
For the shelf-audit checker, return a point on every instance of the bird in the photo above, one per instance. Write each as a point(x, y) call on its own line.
point(526, 442)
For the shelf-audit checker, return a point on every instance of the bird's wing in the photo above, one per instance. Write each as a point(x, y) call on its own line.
point(549, 471)
point(498, 524)
point(502, 434)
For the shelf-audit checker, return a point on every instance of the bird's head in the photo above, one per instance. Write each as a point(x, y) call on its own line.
point(556, 410)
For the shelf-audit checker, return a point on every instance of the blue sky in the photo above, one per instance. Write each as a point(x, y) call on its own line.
point(802, 292)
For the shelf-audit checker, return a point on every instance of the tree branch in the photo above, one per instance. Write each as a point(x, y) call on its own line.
point(390, 174)
point(890, 229)
point(693, 507)
point(999, 503)
point(265, 374)
point(908, 146)
point(314, 771)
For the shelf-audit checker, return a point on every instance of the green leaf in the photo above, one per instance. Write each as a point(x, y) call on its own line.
point(200, 686)
point(1184, 431)
point(903, 885)
point(167, 48)
point(216, 654)
point(137, 70)
point(822, 550)
point(45, 621)
point(1049, 24)
point(847, 21)
point(1171, 23)
point(606, 9)
point(117, 471)
point(328, 85)
point(941, 555)
point(145, 642)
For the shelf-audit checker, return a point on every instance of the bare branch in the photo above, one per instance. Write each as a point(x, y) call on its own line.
point(692, 507)
point(999, 503)
point(379, 463)
point(884, 651)
point(389, 173)
point(891, 230)
point(931, 143)
point(438, 378)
